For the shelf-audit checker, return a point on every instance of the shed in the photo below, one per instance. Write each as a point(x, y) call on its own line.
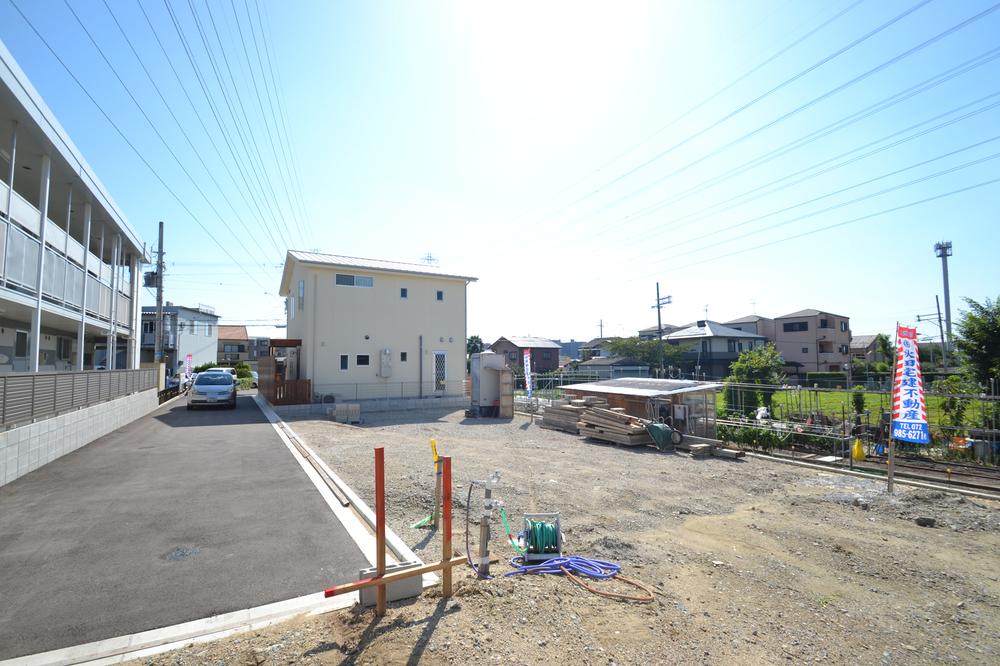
point(686, 405)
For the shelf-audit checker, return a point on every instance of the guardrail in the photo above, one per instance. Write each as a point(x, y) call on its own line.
point(29, 396)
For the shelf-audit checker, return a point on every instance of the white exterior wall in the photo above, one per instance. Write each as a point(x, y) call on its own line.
point(335, 320)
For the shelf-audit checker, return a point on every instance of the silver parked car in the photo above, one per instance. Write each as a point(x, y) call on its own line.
point(213, 388)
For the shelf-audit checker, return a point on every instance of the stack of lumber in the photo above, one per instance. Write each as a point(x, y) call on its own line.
point(613, 425)
point(565, 415)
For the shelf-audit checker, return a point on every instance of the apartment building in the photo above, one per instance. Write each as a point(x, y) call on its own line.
point(711, 347)
point(753, 324)
point(69, 260)
point(375, 329)
point(187, 331)
point(813, 341)
point(234, 345)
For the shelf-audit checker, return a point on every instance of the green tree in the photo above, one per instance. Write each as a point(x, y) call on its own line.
point(883, 348)
point(647, 351)
point(474, 345)
point(858, 399)
point(761, 365)
point(958, 392)
point(978, 341)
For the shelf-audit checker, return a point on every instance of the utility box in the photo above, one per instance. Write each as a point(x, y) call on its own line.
point(486, 369)
point(385, 363)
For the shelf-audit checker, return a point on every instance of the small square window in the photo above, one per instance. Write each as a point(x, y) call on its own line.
point(343, 361)
point(361, 359)
point(440, 295)
point(402, 357)
point(805, 350)
point(402, 292)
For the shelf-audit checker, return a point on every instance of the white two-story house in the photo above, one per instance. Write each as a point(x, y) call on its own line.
point(376, 329)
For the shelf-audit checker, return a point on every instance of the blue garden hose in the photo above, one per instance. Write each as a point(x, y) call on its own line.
point(581, 566)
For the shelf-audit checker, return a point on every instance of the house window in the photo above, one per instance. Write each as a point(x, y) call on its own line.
point(440, 295)
point(511, 356)
point(824, 323)
point(844, 349)
point(302, 294)
point(843, 326)
point(795, 326)
point(361, 359)
point(805, 350)
point(402, 357)
point(208, 329)
point(704, 345)
point(732, 345)
point(149, 327)
point(344, 280)
point(343, 362)
point(402, 292)
point(194, 328)
point(546, 356)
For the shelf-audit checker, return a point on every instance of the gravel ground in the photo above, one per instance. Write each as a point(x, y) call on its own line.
point(753, 562)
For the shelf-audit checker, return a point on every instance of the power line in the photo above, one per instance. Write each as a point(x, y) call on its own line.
point(754, 101)
point(126, 140)
point(180, 125)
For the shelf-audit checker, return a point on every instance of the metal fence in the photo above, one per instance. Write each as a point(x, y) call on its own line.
point(29, 396)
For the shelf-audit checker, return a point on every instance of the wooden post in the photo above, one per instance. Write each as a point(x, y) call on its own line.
point(446, 536)
point(380, 528)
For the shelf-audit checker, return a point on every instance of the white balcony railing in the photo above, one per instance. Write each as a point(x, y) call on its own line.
point(63, 278)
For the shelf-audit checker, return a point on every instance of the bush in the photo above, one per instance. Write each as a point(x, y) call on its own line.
point(203, 367)
point(243, 370)
point(244, 383)
point(858, 399)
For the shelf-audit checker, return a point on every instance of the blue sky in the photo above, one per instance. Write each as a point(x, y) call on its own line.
point(570, 155)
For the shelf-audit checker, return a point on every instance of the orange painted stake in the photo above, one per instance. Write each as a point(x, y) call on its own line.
point(446, 515)
point(380, 528)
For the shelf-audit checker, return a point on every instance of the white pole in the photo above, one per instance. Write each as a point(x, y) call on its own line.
point(36, 315)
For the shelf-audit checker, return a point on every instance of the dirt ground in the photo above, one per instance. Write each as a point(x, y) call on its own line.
point(753, 562)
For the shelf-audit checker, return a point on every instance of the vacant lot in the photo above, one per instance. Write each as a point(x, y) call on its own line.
point(754, 562)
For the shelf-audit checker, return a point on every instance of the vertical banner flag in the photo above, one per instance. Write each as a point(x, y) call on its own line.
point(527, 371)
point(909, 411)
point(187, 365)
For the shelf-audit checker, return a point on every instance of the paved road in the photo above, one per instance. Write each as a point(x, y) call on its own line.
point(175, 517)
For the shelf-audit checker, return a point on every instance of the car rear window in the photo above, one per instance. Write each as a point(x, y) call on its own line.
point(214, 379)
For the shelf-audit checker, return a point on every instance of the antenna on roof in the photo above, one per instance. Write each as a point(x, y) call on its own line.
point(429, 259)
point(753, 305)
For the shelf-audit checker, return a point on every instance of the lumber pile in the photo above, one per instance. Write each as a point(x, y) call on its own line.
point(611, 425)
point(565, 414)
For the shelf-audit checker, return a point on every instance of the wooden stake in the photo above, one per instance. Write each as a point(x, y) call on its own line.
point(437, 485)
point(446, 536)
point(380, 530)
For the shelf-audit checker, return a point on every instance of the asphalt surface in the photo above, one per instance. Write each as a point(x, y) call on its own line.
point(178, 516)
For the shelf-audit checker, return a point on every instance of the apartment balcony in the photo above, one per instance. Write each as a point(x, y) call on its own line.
point(64, 281)
point(148, 340)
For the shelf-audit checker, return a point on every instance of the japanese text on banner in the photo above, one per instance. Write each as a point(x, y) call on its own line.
point(909, 410)
point(527, 371)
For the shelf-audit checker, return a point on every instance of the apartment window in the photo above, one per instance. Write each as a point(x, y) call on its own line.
point(732, 345)
point(843, 326)
point(343, 362)
point(795, 326)
point(149, 327)
point(843, 349)
point(805, 350)
point(361, 359)
point(403, 292)
point(824, 323)
point(302, 294)
point(440, 295)
point(402, 357)
point(208, 329)
point(345, 280)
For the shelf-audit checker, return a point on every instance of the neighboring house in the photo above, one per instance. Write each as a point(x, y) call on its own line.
point(570, 350)
point(865, 348)
point(186, 330)
point(813, 341)
point(612, 367)
point(258, 348)
point(596, 348)
point(653, 332)
point(544, 352)
point(75, 305)
point(234, 345)
point(713, 346)
point(753, 324)
point(374, 328)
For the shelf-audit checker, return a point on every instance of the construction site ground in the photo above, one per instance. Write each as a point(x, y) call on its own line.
point(752, 561)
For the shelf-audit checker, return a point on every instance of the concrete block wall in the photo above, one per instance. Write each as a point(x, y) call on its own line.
point(370, 406)
point(27, 448)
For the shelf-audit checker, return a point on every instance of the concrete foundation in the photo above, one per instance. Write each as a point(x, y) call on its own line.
point(371, 406)
point(27, 448)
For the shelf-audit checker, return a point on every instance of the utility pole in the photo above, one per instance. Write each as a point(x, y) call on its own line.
point(944, 349)
point(660, 302)
point(943, 250)
point(600, 327)
point(158, 324)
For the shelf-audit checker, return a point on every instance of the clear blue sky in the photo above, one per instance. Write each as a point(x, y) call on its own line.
point(551, 150)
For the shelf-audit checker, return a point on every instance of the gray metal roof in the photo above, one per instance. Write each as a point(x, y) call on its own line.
point(711, 329)
point(862, 341)
point(809, 313)
point(529, 342)
point(643, 387)
point(373, 264)
point(614, 360)
point(749, 319)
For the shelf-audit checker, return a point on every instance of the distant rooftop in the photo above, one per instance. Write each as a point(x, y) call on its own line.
point(530, 342)
point(749, 319)
point(710, 329)
point(809, 313)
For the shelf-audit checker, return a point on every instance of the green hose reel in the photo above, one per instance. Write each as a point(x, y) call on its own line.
point(542, 536)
